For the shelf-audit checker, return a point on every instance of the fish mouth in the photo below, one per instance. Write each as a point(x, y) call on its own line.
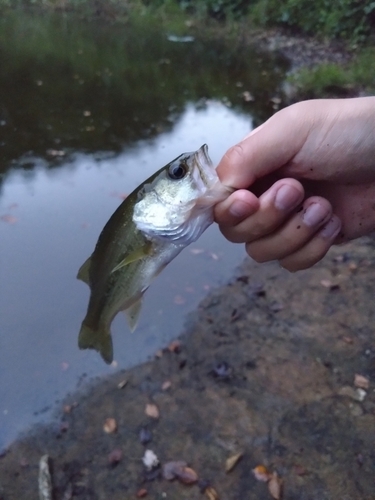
point(205, 165)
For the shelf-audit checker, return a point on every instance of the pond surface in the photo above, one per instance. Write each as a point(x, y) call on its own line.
point(87, 112)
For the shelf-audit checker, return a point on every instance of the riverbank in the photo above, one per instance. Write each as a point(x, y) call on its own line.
point(275, 366)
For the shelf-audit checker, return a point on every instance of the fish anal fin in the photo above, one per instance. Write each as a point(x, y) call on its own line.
point(100, 340)
point(84, 271)
point(137, 254)
point(132, 314)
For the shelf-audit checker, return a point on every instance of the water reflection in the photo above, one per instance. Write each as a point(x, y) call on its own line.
point(107, 134)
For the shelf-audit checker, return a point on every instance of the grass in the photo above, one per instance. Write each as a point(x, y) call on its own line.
point(325, 79)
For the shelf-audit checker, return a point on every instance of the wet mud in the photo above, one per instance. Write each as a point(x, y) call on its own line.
point(266, 367)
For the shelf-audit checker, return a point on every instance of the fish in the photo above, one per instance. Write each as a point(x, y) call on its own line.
point(148, 230)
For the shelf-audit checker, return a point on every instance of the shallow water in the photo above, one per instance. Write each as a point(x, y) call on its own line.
point(88, 111)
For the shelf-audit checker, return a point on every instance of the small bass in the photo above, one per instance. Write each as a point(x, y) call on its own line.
point(149, 229)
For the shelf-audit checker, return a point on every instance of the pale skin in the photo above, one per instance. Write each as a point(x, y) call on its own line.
point(303, 181)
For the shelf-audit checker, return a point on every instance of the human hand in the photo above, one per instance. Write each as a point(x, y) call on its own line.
point(327, 148)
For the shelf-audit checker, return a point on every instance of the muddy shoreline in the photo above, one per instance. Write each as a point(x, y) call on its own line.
point(266, 367)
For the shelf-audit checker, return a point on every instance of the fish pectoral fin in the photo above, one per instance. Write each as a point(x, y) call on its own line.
point(100, 340)
point(84, 271)
point(132, 314)
point(137, 254)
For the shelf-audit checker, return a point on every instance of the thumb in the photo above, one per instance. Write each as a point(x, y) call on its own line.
point(268, 147)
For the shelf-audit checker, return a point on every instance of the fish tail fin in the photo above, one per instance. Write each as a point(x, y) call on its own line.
point(98, 339)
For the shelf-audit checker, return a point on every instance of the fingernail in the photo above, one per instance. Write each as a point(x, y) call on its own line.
point(314, 214)
point(332, 228)
point(239, 209)
point(287, 197)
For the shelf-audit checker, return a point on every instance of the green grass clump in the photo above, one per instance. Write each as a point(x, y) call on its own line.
point(327, 79)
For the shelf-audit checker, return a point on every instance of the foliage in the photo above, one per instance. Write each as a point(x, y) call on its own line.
point(347, 19)
point(332, 78)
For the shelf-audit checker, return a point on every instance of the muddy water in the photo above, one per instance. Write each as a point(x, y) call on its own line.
point(87, 111)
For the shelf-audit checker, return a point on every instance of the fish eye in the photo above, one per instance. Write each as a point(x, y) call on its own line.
point(177, 171)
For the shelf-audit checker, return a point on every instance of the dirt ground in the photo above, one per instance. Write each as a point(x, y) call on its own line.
point(266, 367)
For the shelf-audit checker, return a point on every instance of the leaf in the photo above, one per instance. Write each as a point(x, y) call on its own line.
point(232, 461)
point(122, 384)
point(152, 410)
point(361, 381)
point(10, 219)
point(261, 473)
point(275, 486)
point(211, 493)
point(187, 475)
point(110, 426)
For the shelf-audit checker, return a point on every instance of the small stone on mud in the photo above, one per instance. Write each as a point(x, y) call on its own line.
point(110, 426)
point(222, 370)
point(178, 470)
point(152, 411)
point(145, 435)
point(348, 392)
point(172, 469)
point(150, 460)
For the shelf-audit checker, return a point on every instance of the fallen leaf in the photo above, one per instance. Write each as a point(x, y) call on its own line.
point(110, 426)
point(122, 384)
point(261, 473)
point(152, 410)
point(361, 381)
point(178, 470)
point(166, 385)
point(187, 475)
point(214, 256)
point(142, 493)
point(211, 493)
point(10, 219)
point(232, 461)
point(275, 486)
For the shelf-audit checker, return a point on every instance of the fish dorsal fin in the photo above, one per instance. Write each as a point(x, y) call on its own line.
point(132, 314)
point(137, 254)
point(84, 271)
